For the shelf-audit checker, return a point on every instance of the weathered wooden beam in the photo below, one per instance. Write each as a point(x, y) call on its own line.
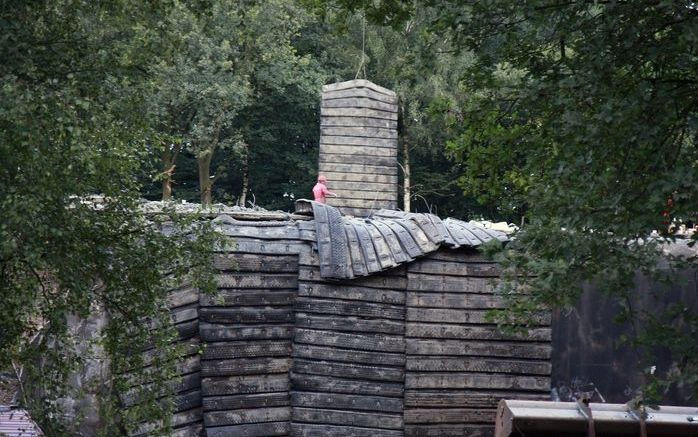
point(252, 415)
point(256, 280)
point(449, 415)
point(455, 380)
point(340, 120)
point(359, 92)
point(350, 308)
point(251, 430)
point(316, 430)
point(353, 418)
point(479, 348)
point(349, 370)
point(358, 112)
point(330, 384)
point(369, 342)
point(346, 402)
point(243, 349)
point(212, 332)
point(245, 384)
point(245, 366)
point(245, 262)
point(247, 315)
point(451, 364)
point(349, 324)
point(238, 297)
point(445, 331)
point(358, 131)
point(465, 398)
point(322, 353)
point(237, 402)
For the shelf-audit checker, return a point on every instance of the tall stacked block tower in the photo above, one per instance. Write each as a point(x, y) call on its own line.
point(358, 146)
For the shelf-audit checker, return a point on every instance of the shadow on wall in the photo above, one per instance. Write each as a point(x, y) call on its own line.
point(587, 357)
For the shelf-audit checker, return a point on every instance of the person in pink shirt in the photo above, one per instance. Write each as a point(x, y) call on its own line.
point(320, 190)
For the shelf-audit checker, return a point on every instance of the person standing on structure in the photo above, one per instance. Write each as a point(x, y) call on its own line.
point(320, 190)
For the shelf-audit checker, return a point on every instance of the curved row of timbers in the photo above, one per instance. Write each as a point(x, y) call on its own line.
point(405, 352)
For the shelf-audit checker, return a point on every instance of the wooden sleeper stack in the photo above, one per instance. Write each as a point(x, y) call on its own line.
point(358, 146)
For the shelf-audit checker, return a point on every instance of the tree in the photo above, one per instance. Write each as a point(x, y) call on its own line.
point(225, 69)
point(582, 117)
point(72, 127)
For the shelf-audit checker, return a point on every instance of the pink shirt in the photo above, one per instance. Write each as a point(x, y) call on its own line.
point(320, 191)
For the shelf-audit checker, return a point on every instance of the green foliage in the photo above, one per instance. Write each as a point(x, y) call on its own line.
point(72, 82)
point(585, 121)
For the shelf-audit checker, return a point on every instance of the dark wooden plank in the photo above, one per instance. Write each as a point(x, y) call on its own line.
point(245, 262)
point(462, 255)
point(359, 92)
point(245, 366)
point(424, 282)
point(460, 316)
point(358, 131)
point(315, 430)
point(357, 84)
point(396, 250)
point(358, 102)
point(357, 112)
point(338, 120)
point(179, 420)
point(288, 231)
point(358, 264)
point(252, 415)
point(348, 370)
point(418, 235)
point(366, 159)
point(445, 315)
point(187, 330)
point(480, 348)
point(270, 247)
point(178, 385)
point(449, 415)
point(366, 248)
point(369, 342)
point(330, 384)
point(455, 300)
point(242, 349)
point(247, 315)
point(347, 355)
point(358, 145)
point(346, 402)
point(385, 179)
point(472, 332)
point(187, 401)
point(182, 297)
point(433, 380)
point(351, 292)
point(350, 308)
point(366, 170)
point(449, 430)
point(349, 324)
point(257, 280)
point(184, 315)
point(212, 332)
point(463, 268)
point(217, 386)
point(479, 364)
point(353, 418)
point(404, 238)
point(195, 430)
point(251, 430)
point(236, 402)
point(369, 186)
point(382, 281)
point(236, 297)
point(465, 398)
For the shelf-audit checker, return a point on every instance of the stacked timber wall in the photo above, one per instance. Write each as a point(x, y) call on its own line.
point(280, 350)
point(358, 146)
point(458, 366)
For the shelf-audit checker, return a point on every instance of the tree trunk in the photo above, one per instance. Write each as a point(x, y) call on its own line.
point(245, 175)
point(169, 158)
point(205, 180)
point(407, 173)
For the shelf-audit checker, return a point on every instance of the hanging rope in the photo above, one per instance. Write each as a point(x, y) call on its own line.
point(362, 63)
